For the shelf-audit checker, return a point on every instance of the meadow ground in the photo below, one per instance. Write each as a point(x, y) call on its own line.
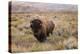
point(65, 34)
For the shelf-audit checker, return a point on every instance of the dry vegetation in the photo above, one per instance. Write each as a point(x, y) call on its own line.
point(65, 34)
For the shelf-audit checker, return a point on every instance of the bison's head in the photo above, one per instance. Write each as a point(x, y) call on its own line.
point(36, 26)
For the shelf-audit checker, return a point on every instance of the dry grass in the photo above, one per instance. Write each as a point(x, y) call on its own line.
point(64, 35)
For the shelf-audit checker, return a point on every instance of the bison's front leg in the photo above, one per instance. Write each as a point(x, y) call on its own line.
point(41, 37)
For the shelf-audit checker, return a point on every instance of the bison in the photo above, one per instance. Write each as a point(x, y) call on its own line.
point(42, 28)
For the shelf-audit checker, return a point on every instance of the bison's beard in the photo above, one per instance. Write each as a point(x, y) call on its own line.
point(40, 36)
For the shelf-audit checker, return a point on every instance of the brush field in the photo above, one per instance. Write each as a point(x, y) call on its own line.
point(65, 34)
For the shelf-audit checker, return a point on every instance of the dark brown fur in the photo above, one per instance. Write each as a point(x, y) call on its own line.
point(42, 28)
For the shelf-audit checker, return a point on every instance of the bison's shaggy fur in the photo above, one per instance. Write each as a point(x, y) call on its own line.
point(42, 28)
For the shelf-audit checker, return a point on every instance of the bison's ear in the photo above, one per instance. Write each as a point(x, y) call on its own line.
point(40, 22)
